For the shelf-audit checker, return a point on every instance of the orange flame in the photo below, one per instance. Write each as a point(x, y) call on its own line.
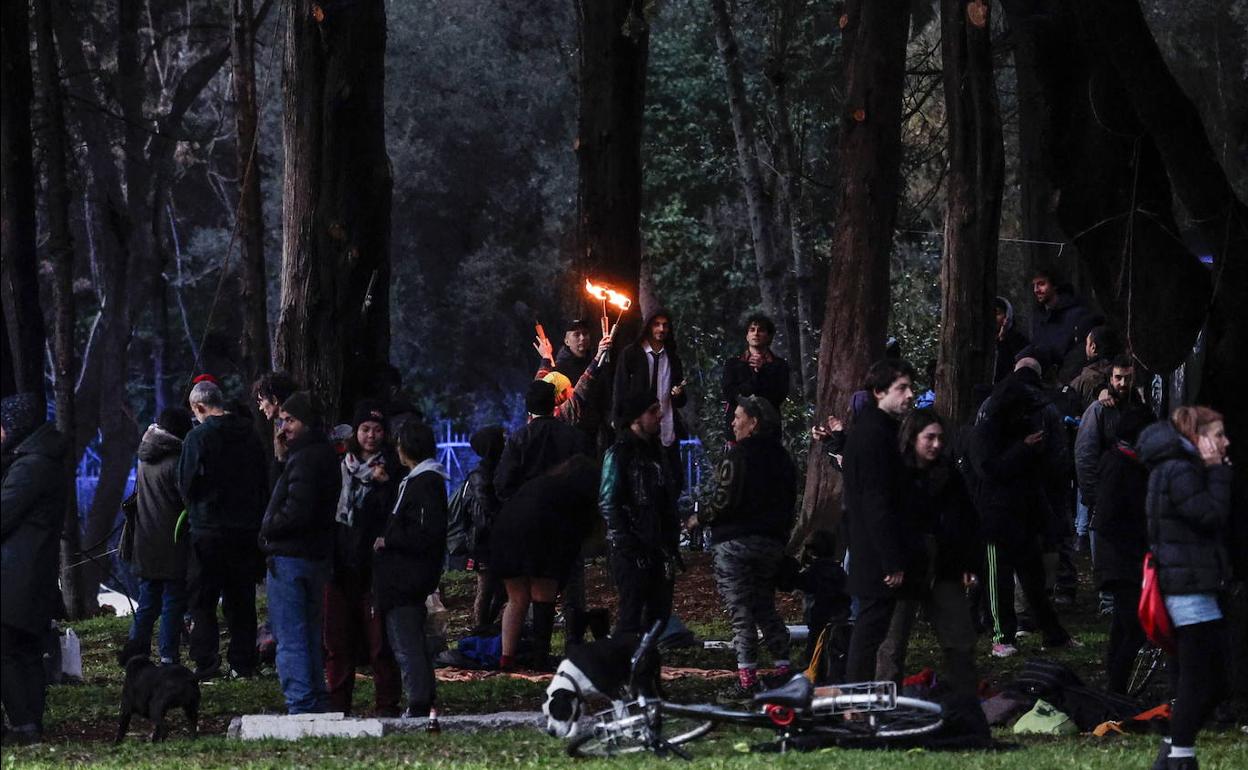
point(619, 300)
point(597, 292)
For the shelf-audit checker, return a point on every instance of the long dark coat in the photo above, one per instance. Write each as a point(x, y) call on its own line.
point(156, 554)
point(32, 506)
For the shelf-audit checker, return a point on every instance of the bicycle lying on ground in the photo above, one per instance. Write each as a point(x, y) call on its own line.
point(799, 713)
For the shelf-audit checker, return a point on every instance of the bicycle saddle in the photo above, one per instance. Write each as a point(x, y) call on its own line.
point(795, 693)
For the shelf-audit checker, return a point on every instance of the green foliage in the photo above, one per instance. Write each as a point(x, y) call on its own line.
point(915, 292)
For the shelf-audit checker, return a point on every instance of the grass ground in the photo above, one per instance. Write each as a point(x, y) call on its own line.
point(81, 718)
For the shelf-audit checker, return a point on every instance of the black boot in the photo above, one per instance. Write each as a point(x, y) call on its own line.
point(574, 622)
point(1182, 763)
point(599, 622)
point(543, 627)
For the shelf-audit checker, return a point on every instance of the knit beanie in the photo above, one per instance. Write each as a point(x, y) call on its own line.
point(20, 416)
point(304, 407)
point(540, 398)
point(175, 420)
point(634, 406)
point(368, 411)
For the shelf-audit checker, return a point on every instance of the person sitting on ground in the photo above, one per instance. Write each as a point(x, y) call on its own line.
point(937, 505)
point(756, 372)
point(637, 499)
point(750, 514)
point(370, 474)
point(408, 560)
point(32, 507)
point(1120, 526)
point(297, 535)
point(483, 507)
point(1189, 526)
point(160, 552)
point(534, 547)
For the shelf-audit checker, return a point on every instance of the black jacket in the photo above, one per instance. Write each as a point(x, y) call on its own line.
point(637, 498)
point(879, 543)
point(632, 375)
point(771, 381)
point(408, 569)
point(937, 504)
point(300, 519)
point(1119, 518)
point(32, 506)
point(594, 396)
point(540, 530)
point(1058, 333)
point(157, 556)
point(353, 543)
point(534, 449)
point(755, 493)
point(1008, 347)
point(223, 474)
point(483, 506)
point(1189, 511)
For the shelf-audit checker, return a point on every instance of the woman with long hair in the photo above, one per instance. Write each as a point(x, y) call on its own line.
point(1189, 512)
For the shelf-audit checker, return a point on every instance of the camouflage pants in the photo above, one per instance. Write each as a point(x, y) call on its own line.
point(745, 573)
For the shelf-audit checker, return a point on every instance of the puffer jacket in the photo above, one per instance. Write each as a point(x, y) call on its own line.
point(32, 506)
point(1189, 512)
point(157, 555)
point(300, 519)
point(637, 498)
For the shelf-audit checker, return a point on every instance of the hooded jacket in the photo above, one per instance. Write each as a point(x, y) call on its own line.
point(1008, 347)
point(32, 506)
point(409, 567)
point(1189, 511)
point(223, 474)
point(756, 491)
point(632, 372)
point(1058, 333)
point(299, 521)
point(157, 554)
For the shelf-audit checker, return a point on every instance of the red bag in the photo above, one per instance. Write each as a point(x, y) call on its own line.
point(1154, 618)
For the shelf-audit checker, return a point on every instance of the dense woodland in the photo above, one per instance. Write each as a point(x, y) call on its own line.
point(233, 186)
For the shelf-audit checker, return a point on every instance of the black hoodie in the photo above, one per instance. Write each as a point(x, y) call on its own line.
point(632, 371)
point(223, 474)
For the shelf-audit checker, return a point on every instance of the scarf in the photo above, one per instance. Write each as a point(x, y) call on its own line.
point(357, 481)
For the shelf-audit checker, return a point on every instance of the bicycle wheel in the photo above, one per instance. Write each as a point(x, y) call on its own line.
point(1148, 661)
point(908, 718)
point(633, 733)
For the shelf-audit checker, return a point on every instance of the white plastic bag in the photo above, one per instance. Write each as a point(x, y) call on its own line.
point(437, 617)
point(71, 655)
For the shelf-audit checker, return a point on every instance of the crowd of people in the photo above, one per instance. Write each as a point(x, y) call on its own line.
point(972, 527)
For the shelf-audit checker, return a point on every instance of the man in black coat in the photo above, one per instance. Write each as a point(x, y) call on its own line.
point(223, 478)
point(32, 506)
point(637, 498)
point(652, 365)
point(540, 445)
point(756, 372)
point(880, 548)
point(298, 536)
point(1059, 325)
point(593, 393)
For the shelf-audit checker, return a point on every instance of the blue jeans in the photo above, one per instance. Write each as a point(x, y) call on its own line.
point(296, 590)
point(164, 599)
point(1082, 520)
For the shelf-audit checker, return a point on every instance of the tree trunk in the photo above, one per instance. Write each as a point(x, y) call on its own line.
point(256, 357)
point(614, 37)
point(1120, 35)
point(334, 329)
point(973, 188)
point(19, 269)
point(74, 590)
point(770, 266)
point(855, 324)
point(1113, 198)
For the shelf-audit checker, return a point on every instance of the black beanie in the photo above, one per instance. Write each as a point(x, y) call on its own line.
point(540, 398)
point(175, 420)
point(304, 407)
point(368, 410)
point(634, 406)
point(20, 415)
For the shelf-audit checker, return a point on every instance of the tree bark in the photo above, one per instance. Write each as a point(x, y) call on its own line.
point(973, 188)
point(614, 37)
point(19, 269)
point(256, 357)
point(74, 589)
point(1119, 34)
point(334, 329)
point(771, 268)
point(855, 324)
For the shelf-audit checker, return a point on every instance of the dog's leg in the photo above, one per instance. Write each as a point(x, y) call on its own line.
point(192, 718)
point(159, 730)
point(123, 724)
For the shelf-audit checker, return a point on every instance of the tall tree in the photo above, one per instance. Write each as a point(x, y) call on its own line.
point(255, 343)
point(973, 188)
point(334, 329)
point(19, 272)
point(75, 589)
point(855, 323)
point(770, 265)
point(614, 42)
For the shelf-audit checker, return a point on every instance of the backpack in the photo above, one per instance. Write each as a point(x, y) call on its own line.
point(458, 522)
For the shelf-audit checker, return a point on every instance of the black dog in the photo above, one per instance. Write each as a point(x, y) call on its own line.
point(602, 668)
point(153, 691)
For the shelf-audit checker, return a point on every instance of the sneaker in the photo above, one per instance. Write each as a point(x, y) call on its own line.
point(1003, 650)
